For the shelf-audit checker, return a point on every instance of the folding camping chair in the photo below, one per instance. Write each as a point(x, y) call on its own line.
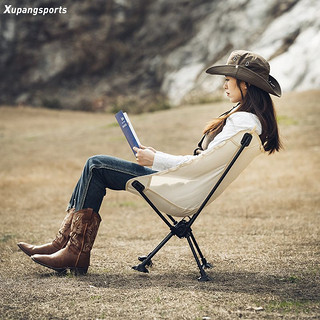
point(185, 190)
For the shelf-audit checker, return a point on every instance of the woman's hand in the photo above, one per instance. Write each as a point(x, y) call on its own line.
point(145, 155)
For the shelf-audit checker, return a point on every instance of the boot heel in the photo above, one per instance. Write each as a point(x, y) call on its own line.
point(79, 271)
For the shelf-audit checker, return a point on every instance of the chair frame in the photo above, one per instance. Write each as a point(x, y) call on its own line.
point(182, 229)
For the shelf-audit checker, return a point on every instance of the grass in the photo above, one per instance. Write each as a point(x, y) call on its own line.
point(285, 120)
point(6, 237)
point(261, 235)
point(293, 307)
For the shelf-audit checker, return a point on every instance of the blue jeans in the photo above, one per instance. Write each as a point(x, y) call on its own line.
point(101, 172)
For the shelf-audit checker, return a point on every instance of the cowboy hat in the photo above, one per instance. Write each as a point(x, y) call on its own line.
point(251, 68)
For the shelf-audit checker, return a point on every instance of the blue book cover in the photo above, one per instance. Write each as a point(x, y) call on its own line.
point(127, 129)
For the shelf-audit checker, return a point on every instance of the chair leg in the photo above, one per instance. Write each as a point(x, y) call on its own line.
point(147, 261)
point(142, 258)
point(204, 276)
point(205, 264)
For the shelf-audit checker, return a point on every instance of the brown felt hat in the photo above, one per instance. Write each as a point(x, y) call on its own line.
point(251, 68)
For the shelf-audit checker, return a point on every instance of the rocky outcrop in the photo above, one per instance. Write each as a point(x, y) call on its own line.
point(93, 54)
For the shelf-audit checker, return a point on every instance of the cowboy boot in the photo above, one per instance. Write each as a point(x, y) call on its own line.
point(76, 255)
point(58, 243)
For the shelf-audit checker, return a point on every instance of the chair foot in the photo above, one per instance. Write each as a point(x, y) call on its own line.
point(207, 265)
point(204, 278)
point(142, 258)
point(141, 268)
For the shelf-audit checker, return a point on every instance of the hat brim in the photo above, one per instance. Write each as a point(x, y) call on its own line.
point(242, 73)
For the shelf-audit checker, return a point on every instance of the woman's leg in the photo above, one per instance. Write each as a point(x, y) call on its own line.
point(99, 173)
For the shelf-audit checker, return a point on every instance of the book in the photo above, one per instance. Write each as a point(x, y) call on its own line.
point(127, 129)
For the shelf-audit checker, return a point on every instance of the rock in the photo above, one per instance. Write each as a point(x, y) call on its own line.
point(102, 52)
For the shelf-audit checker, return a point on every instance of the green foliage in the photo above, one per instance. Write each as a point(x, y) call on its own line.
point(286, 306)
point(158, 105)
point(286, 120)
point(205, 99)
point(111, 125)
point(85, 105)
point(6, 237)
point(291, 279)
point(129, 204)
point(135, 106)
point(53, 103)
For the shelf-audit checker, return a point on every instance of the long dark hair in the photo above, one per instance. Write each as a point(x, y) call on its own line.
point(258, 102)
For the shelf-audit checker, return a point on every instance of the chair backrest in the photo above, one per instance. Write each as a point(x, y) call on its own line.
point(180, 191)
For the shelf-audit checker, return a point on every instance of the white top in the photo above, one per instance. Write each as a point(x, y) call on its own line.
point(235, 123)
point(170, 190)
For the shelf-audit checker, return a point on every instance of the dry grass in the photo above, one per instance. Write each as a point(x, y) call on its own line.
point(262, 234)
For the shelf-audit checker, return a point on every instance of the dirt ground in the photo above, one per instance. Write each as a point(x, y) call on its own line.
point(262, 234)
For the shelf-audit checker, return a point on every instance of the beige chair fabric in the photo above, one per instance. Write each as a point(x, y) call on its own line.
point(180, 191)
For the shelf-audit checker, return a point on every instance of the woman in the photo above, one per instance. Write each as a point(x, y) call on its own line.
point(247, 84)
